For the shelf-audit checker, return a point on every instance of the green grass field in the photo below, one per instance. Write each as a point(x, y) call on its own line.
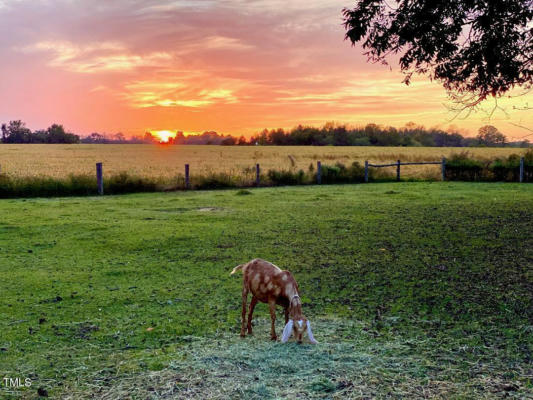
point(415, 290)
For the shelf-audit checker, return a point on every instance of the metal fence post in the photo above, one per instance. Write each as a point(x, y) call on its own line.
point(318, 172)
point(257, 175)
point(99, 178)
point(398, 171)
point(521, 169)
point(187, 182)
point(366, 171)
point(443, 169)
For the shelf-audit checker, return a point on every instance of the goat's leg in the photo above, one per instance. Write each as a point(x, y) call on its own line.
point(250, 313)
point(272, 305)
point(243, 315)
point(286, 315)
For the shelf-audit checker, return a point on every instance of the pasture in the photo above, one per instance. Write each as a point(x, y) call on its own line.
point(158, 161)
point(415, 290)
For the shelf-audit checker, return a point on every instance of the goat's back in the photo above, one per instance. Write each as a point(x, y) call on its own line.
point(265, 280)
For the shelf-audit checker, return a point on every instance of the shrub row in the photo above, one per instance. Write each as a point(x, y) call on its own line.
point(85, 185)
point(462, 167)
point(73, 185)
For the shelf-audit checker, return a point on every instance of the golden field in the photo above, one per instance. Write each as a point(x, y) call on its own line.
point(168, 161)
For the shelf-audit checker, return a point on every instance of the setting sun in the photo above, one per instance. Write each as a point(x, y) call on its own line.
point(164, 136)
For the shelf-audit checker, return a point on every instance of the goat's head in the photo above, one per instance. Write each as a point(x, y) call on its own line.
point(298, 328)
point(297, 324)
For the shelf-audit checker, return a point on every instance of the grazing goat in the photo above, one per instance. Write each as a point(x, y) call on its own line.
point(271, 285)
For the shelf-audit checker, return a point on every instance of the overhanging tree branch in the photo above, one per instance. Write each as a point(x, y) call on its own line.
point(495, 57)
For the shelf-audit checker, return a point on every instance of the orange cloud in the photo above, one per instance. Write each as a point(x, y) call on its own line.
point(96, 57)
point(186, 93)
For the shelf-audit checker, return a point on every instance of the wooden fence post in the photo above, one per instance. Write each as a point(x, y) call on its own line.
point(318, 172)
point(257, 175)
point(443, 169)
point(366, 171)
point(99, 178)
point(398, 171)
point(521, 169)
point(187, 182)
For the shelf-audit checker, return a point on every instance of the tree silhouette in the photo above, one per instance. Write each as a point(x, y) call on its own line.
point(475, 48)
point(229, 141)
point(119, 137)
point(489, 135)
point(15, 132)
point(56, 134)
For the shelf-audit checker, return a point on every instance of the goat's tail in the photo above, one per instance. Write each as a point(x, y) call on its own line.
point(237, 268)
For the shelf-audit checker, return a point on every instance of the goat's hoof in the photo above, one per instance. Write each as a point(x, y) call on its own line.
point(274, 338)
point(243, 334)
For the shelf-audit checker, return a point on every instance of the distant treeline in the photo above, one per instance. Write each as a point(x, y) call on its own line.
point(16, 132)
point(375, 135)
point(329, 135)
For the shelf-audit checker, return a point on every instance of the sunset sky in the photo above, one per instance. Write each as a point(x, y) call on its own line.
point(233, 66)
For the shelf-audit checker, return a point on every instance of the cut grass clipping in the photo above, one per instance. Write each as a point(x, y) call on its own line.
point(348, 363)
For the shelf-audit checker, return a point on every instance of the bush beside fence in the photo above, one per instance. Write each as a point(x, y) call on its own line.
point(463, 167)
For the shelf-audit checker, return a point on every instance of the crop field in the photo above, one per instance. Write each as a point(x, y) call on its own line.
point(414, 290)
point(168, 161)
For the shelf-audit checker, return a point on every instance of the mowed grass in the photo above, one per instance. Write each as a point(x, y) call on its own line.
point(415, 290)
point(157, 161)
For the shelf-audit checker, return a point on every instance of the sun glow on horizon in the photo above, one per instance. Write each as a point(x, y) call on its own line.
point(164, 136)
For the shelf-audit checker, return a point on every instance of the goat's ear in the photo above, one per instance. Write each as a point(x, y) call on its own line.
point(310, 334)
point(287, 331)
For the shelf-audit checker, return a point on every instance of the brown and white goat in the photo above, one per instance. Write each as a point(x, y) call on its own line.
point(269, 284)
